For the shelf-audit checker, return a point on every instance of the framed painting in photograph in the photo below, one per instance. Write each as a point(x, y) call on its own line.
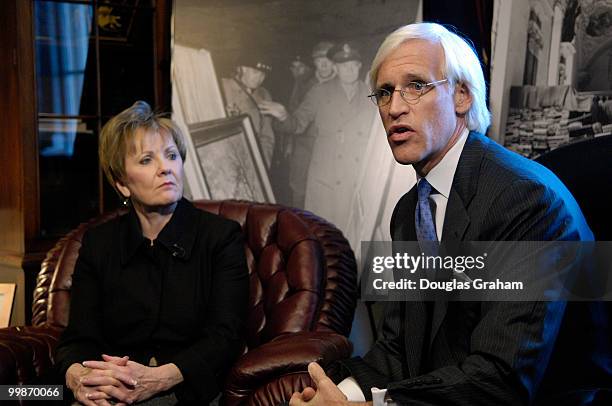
point(230, 160)
point(7, 293)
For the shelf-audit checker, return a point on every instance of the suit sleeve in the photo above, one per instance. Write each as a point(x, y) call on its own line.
point(511, 345)
point(203, 364)
point(83, 339)
point(384, 362)
point(510, 348)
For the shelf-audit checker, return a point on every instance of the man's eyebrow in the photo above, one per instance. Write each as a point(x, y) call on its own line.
point(385, 85)
point(406, 78)
point(411, 77)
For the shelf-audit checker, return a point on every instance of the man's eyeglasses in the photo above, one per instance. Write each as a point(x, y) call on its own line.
point(409, 93)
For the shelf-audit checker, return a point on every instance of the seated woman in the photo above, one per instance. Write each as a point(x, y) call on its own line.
point(159, 295)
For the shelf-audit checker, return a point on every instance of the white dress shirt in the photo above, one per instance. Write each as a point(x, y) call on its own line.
point(440, 177)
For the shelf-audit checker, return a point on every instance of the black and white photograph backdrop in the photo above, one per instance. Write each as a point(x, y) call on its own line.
point(298, 69)
point(551, 79)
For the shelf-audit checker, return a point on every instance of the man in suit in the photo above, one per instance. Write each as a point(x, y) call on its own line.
point(430, 90)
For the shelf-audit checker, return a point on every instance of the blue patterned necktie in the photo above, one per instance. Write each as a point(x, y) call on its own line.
point(426, 235)
point(423, 219)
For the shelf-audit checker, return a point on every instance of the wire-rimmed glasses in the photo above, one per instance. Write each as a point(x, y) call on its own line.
point(409, 93)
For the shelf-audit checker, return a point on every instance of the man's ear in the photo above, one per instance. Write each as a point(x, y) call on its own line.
point(463, 99)
point(122, 189)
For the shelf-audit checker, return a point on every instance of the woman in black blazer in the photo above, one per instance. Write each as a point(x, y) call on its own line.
point(159, 295)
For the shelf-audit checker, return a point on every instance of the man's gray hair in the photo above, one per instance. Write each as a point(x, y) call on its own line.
point(462, 65)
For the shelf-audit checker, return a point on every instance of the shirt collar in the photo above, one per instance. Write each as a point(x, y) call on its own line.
point(178, 235)
point(440, 177)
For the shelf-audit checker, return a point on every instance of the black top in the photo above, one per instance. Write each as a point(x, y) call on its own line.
point(182, 300)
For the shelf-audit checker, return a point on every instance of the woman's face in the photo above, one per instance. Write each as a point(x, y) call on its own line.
point(153, 171)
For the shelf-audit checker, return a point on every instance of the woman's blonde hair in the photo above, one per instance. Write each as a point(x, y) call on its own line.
point(119, 132)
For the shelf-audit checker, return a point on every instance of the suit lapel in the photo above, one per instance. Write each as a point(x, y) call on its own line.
point(415, 316)
point(439, 312)
point(456, 221)
point(457, 218)
point(402, 220)
point(416, 319)
point(463, 189)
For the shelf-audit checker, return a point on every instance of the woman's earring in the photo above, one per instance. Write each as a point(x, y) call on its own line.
point(125, 202)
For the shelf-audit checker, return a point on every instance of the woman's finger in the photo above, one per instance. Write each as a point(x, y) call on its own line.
point(97, 395)
point(82, 396)
point(101, 365)
point(120, 374)
point(97, 380)
point(126, 378)
point(122, 361)
point(121, 394)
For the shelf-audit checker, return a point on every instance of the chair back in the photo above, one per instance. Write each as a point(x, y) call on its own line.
point(585, 167)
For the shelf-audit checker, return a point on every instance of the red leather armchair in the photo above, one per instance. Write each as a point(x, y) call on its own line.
point(303, 285)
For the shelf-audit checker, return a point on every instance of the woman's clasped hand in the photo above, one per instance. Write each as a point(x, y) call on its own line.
point(118, 379)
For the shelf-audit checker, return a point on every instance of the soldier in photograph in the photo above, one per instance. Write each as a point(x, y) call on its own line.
point(341, 118)
point(243, 92)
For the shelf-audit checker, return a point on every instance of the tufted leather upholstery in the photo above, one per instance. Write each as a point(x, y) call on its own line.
point(303, 293)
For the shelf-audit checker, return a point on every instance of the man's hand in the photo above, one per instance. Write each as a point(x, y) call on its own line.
point(327, 393)
point(273, 109)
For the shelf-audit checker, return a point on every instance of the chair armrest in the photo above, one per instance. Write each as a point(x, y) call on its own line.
point(26, 353)
point(287, 354)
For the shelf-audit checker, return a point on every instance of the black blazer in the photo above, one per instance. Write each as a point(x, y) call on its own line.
point(182, 300)
point(488, 353)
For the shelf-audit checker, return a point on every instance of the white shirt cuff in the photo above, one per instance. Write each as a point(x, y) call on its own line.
point(378, 398)
point(351, 390)
point(353, 393)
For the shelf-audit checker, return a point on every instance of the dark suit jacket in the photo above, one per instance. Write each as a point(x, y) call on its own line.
point(182, 300)
point(487, 353)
